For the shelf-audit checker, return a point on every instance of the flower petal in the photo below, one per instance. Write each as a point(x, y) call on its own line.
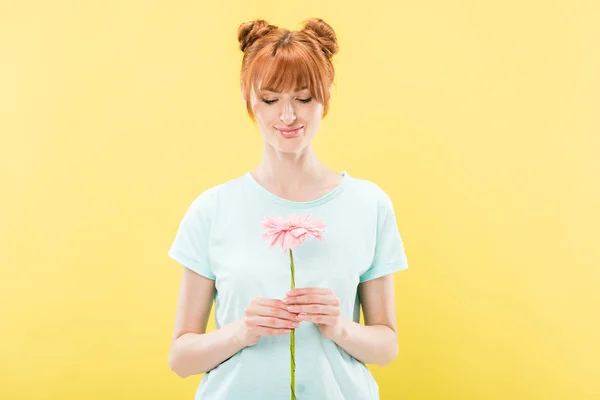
point(291, 232)
point(298, 231)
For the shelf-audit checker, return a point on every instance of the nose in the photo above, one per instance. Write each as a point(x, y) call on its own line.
point(288, 114)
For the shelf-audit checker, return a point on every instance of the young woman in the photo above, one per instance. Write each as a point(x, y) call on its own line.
point(286, 79)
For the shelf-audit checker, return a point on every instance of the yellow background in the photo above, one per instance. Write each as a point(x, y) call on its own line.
point(480, 120)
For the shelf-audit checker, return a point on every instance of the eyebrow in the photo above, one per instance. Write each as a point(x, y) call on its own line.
point(274, 91)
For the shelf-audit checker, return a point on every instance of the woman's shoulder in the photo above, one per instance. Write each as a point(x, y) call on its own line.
point(366, 188)
point(209, 195)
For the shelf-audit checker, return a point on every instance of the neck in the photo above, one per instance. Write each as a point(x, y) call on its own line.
point(289, 171)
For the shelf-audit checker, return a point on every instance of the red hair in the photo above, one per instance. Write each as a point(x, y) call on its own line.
point(284, 60)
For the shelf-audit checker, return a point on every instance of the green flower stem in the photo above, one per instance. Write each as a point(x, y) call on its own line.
point(293, 338)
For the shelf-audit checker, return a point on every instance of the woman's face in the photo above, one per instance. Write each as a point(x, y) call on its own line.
point(288, 121)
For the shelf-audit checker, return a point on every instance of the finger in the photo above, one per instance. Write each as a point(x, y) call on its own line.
point(265, 311)
point(315, 309)
point(309, 290)
point(269, 302)
point(326, 299)
point(319, 319)
point(272, 322)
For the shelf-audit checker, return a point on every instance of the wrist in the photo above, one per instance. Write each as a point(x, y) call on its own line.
point(238, 335)
point(340, 332)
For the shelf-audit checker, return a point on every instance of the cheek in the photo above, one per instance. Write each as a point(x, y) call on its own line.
point(316, 111)
point(263, 114)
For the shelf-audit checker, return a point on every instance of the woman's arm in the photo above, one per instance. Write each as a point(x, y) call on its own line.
point(192, 350)
point(375, 342)
point(372, 343)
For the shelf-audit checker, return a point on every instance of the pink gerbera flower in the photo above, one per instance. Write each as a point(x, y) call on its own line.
point(289, 234)
point(293, 231)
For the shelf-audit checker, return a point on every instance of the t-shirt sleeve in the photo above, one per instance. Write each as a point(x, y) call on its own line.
point(190, 246)
point(389, 249)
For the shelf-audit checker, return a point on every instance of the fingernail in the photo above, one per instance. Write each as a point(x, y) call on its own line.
point(285, 300)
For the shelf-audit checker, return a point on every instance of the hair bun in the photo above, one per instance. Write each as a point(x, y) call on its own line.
point(324, 34)
point(249, 32)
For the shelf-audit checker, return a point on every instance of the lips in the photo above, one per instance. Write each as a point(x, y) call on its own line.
point(289, 133)
point(288, 130)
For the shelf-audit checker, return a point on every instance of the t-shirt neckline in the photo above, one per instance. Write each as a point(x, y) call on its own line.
point(299, 204)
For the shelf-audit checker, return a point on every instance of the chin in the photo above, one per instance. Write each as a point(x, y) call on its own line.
point(289, 148)
point(289, 145)
point(286, 145)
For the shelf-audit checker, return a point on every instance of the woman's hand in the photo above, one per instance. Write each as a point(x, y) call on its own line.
point(318, 305)
point(266, 317)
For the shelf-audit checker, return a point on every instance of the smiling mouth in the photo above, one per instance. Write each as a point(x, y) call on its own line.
point(290, 133)
point(289, 130)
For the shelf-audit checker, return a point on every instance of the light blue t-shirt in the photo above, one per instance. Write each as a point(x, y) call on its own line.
point(220, 238)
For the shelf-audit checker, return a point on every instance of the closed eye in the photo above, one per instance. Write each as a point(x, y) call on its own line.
point(304, 101)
